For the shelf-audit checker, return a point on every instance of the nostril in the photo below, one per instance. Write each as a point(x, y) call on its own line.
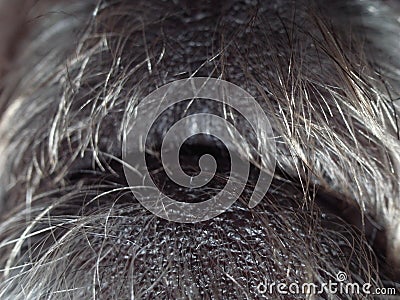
point(204, 144)
point(201, 145)
point(191, 154)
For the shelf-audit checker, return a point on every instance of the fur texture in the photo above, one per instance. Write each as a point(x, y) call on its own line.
point(328, 79)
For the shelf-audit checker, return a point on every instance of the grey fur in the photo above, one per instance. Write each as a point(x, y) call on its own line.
point(329, 90)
